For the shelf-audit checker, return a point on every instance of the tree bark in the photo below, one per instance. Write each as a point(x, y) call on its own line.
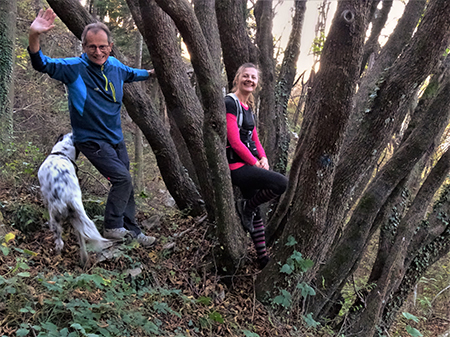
point(8, 15)
point(283, 89)
point(206, 15)
point(364, 141)
point(228, 227)
point(264, 40)
point(328, 109)
point(72, 13)
point(416, 63)
point(236, 45)
point(378, 22)
point(138, 144)
point(159, 34)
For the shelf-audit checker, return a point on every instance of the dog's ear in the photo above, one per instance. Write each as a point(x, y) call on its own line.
point(60, 138)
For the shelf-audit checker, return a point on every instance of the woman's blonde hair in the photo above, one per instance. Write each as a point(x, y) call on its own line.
point(251, 99)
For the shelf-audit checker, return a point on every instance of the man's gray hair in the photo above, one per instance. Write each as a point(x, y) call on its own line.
point(95, 27)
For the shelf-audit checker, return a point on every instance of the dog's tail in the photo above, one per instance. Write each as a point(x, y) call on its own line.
point(89, 232)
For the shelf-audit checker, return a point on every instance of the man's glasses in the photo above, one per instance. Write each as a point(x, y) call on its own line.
point(93, 47)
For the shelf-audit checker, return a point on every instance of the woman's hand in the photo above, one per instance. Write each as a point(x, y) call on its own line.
point(262, 163)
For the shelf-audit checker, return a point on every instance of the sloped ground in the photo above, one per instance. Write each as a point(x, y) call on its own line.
point(169, 290)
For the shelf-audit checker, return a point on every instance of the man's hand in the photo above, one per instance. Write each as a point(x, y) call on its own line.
point(151, 73)
point(43, 22)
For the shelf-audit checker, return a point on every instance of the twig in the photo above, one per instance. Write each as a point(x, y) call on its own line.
point(254, 298)
point(91, 175)
point(447, 287)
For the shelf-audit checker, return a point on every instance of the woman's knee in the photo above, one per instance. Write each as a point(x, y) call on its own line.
point(281, 184)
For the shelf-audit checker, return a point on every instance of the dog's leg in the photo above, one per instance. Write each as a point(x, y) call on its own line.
point(83, 251)
point(55, 227)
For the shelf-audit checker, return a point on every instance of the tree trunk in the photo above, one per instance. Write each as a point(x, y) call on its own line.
point(394, 267)
point(378, 22)
point(328, 109)
point(72, 13)
point(7, 42)
point(236, 45)
point(284, 87)
point(367, 136)
point(183, 106)
point(416, 63)
point(228, 227)
point(206, 15)
point(264, 40)
point(138, 144)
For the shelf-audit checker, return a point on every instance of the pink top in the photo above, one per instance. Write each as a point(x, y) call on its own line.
point(236, 144)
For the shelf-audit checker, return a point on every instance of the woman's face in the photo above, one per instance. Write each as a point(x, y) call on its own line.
point(248, 80)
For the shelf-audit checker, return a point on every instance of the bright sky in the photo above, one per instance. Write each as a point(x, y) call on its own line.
point(283, 22)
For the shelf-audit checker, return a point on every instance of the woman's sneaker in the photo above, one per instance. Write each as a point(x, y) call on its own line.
point(246, 215)
point(145, 240)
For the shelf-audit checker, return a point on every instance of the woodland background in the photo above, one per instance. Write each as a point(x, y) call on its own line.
point(359, 243)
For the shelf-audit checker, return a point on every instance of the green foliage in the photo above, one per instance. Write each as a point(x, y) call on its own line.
point(19, 162)
point(317, 44)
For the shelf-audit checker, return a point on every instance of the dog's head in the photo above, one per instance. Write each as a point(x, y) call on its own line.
point(64, 145)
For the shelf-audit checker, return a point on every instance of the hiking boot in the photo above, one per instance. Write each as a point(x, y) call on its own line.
point(116, 233)
point(145, 240)
point(262, 261)
point(246, 215)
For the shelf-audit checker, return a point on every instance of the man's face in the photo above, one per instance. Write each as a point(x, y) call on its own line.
point(97, 47)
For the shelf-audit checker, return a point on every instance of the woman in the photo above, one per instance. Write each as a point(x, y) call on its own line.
point(247, 160)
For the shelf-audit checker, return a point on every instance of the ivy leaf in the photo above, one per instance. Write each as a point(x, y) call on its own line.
point(250, 334)
point(24, 274)
point(4, 249)
point(297, 256)
point(305, 264)
point(204, 300)
point(217, 317)
point(413, 332)
point(284, 299)
point(306, 289)
point(291, 241)
point(309, 321)
point(409, 316)
point(287, 269)
point(22, 332)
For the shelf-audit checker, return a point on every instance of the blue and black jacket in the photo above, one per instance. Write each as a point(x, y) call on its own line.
point(95, 93)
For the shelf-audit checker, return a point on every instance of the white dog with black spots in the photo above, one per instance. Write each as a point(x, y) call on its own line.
point(62, 196)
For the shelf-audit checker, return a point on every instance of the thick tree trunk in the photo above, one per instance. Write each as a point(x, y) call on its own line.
point(159, 34)
point(7, 42)
point(72, 13)
point(205, 11)
point(328, 109)
point(264, 40)
point(417, 62)
point(236, 45)
point(228, 226)
point(366, 135)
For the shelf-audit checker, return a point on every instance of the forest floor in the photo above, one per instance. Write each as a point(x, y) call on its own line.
point(169, 289)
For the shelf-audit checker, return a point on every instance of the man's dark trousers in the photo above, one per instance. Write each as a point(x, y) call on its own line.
point(113, 163)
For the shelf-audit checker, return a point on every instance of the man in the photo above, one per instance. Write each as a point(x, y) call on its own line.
point(94, 81)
